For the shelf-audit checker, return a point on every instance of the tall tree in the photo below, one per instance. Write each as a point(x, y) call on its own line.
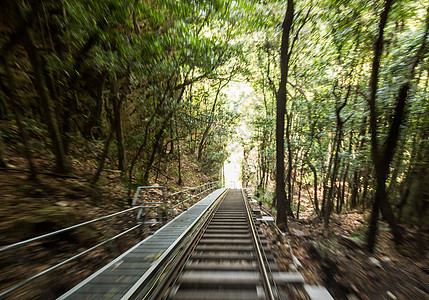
point(117, 112)
point(383, 154)
point(39, 82)
point(281, 99)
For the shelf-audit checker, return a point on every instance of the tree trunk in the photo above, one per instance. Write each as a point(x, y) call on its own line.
point(159, 135)
point(342, 191)
point(179, 158)
point(420, 196)
point(2, 161)
point(365, 185)
point(157, 141)
point(378, 49)
point(316, 201)
point(143, 144)
point(336, 161)
point(357, 173)
point(290, 166)
point(333, 178)
point(411, 175)
point(117, 112)
point(91, 129)
point(354, 190)
point(39, 82)
point(383, 157)
point(299, 194)
point(280, 118)
point(103, 158)
point(209, 125)
point(21, 127)
point(327, 175)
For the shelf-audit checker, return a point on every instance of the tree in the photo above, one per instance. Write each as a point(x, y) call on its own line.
point(280, 118)
point(327, 112)
point(40, 85)
point(383, 154)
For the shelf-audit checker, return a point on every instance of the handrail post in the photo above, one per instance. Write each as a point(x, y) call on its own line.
point(170, 211)
point(141, 217)
point(165, 203)
point(159, 215)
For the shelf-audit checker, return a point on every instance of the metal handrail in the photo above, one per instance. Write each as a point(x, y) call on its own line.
point(64, 230)
point(142, 206)
point(137, 193)
point(21, 243)
point(28, 280)
point(193, 188)
point(211, 185)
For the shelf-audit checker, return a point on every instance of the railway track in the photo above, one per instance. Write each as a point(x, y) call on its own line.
point(227, 259)
point(214, 250)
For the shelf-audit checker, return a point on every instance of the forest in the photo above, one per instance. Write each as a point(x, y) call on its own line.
point(336, 107)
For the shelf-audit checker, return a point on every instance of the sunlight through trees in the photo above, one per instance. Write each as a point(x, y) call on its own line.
point(337, 107)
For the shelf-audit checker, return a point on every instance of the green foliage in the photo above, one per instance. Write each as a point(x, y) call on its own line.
point(330, 65)
point(160, 60)
point(159, 68)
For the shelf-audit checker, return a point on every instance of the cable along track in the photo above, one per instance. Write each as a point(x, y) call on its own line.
point(226, 260)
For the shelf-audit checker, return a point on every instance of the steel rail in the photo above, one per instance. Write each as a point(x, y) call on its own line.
point(269, 271)
point(265, 279)
point(295, 261)
point(173, 273)
point(171, 251)
point(160, 291)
